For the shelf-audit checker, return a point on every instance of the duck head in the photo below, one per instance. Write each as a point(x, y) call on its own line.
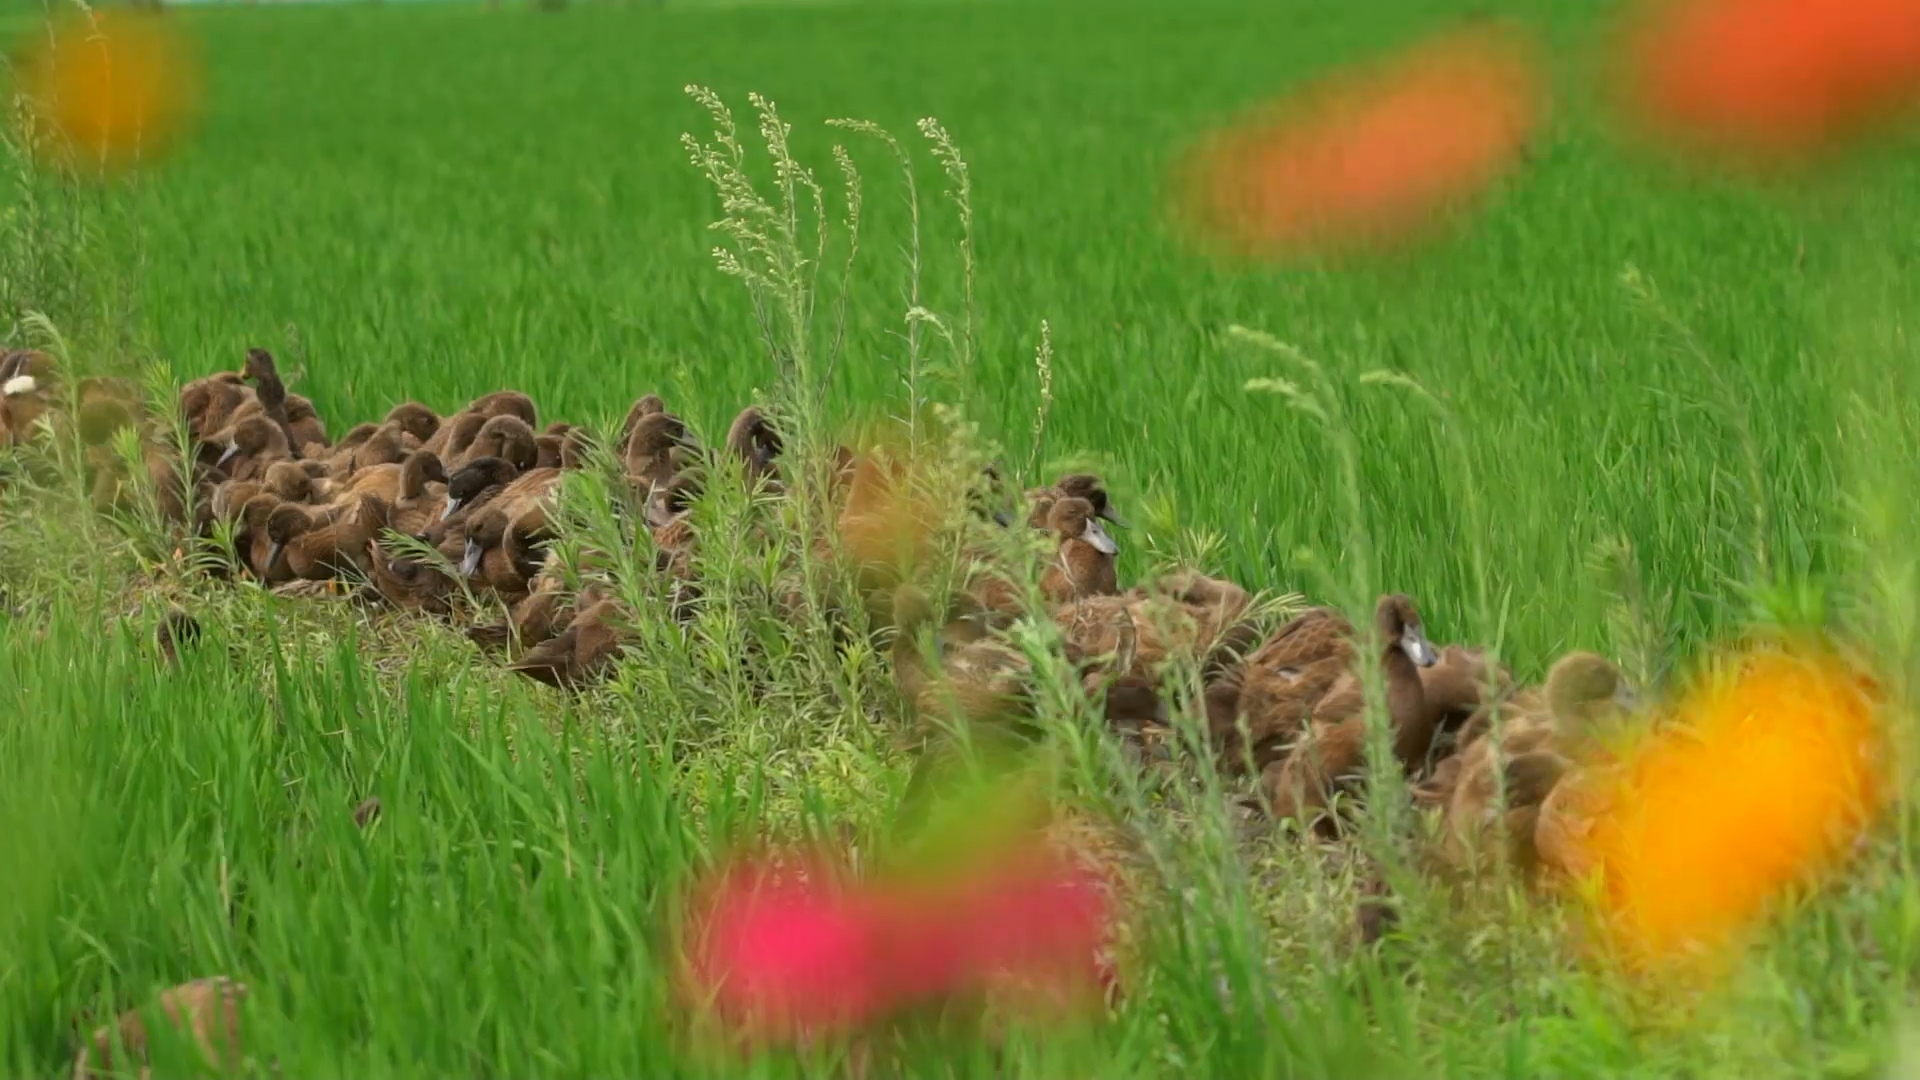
point(252, 436)
point(1585, 686)
point(420, 467)
point(484, 533)
point(259, 365)
point(1074, 518)
point(289, 481)
point(286, 524)
point(507, 403)
point(507, 436)
point(473, 478)
point(415, 419)
point(647, 405)
point(1399, 624)
point(1088, 486)
point(658, 434)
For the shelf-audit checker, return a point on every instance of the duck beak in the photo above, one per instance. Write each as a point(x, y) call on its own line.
point(452, 505)
point(273, 557)
point(1003, 519)
point(471, 562)
point(1418, 648)
point(1113, 518)
point(1096, 534)
point(232, 451)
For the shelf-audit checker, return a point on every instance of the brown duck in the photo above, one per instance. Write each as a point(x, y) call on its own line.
point(507, 437)
point(755, 443)
point(249, 446)
point(1084, 563)
point(578, 655)
point(454, 436)
point(320, 546)
point(1334, 750)
point(655, 450)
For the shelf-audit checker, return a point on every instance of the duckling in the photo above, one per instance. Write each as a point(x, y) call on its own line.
point(1583, 693)
point(289, 482)
point(646, 405)
point(653, 451)
point(977, 680)
point(507, 403)
point(473, 484)
point(753, 439)
point(205, 1011)
point(23, 401)
point(507, 437)
point(1144, 630)
point(261, 371)
point(106, 406)
point(455, 435)
point(1072, 486)
point(1277, 687)
point(1335, 749)
point(386, 445)
point(414, 419)
point(30, 362)
point(401, 485)
point(253, 547)
point(409, 583)
point(1085, 563)
point(176, 630)
point(211, 403)
point(544, 612)
point(249, 446)
point(578, 655)
point(497, 553)
point(1220, 606)
point(307, 430)
point(322, 546)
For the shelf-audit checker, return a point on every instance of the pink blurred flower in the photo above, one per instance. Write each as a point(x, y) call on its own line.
point(783, 952)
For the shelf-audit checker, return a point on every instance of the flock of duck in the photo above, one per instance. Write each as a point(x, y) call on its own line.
point(1286, 703)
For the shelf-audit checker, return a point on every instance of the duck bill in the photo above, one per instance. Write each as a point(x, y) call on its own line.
point(273, 557)
point(1003, 519)
point(232, 451)
point(1096, 534)
point(1418, 648)
point(1113, 518)
point(1625, 697)
point(471, 561)
point(453, 504)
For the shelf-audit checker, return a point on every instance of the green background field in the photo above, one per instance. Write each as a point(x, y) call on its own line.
point(429, 202)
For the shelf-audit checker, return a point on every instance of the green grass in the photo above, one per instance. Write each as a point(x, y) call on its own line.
point(432, 202)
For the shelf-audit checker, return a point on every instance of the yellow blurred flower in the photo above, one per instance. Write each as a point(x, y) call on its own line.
point(118, 86)
point(1767, 774)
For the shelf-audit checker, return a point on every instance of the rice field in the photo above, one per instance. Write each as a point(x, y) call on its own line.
point(1664, 405)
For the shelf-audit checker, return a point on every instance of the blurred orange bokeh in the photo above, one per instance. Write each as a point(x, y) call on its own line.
point(1767, 777)
point(1771, 79)
point(120, 86)
point(1366, 157)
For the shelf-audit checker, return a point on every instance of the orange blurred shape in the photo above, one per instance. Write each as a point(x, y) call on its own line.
point(118, 86)
point(1772, 79)
point(1366, 157)
point(1767, 778)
